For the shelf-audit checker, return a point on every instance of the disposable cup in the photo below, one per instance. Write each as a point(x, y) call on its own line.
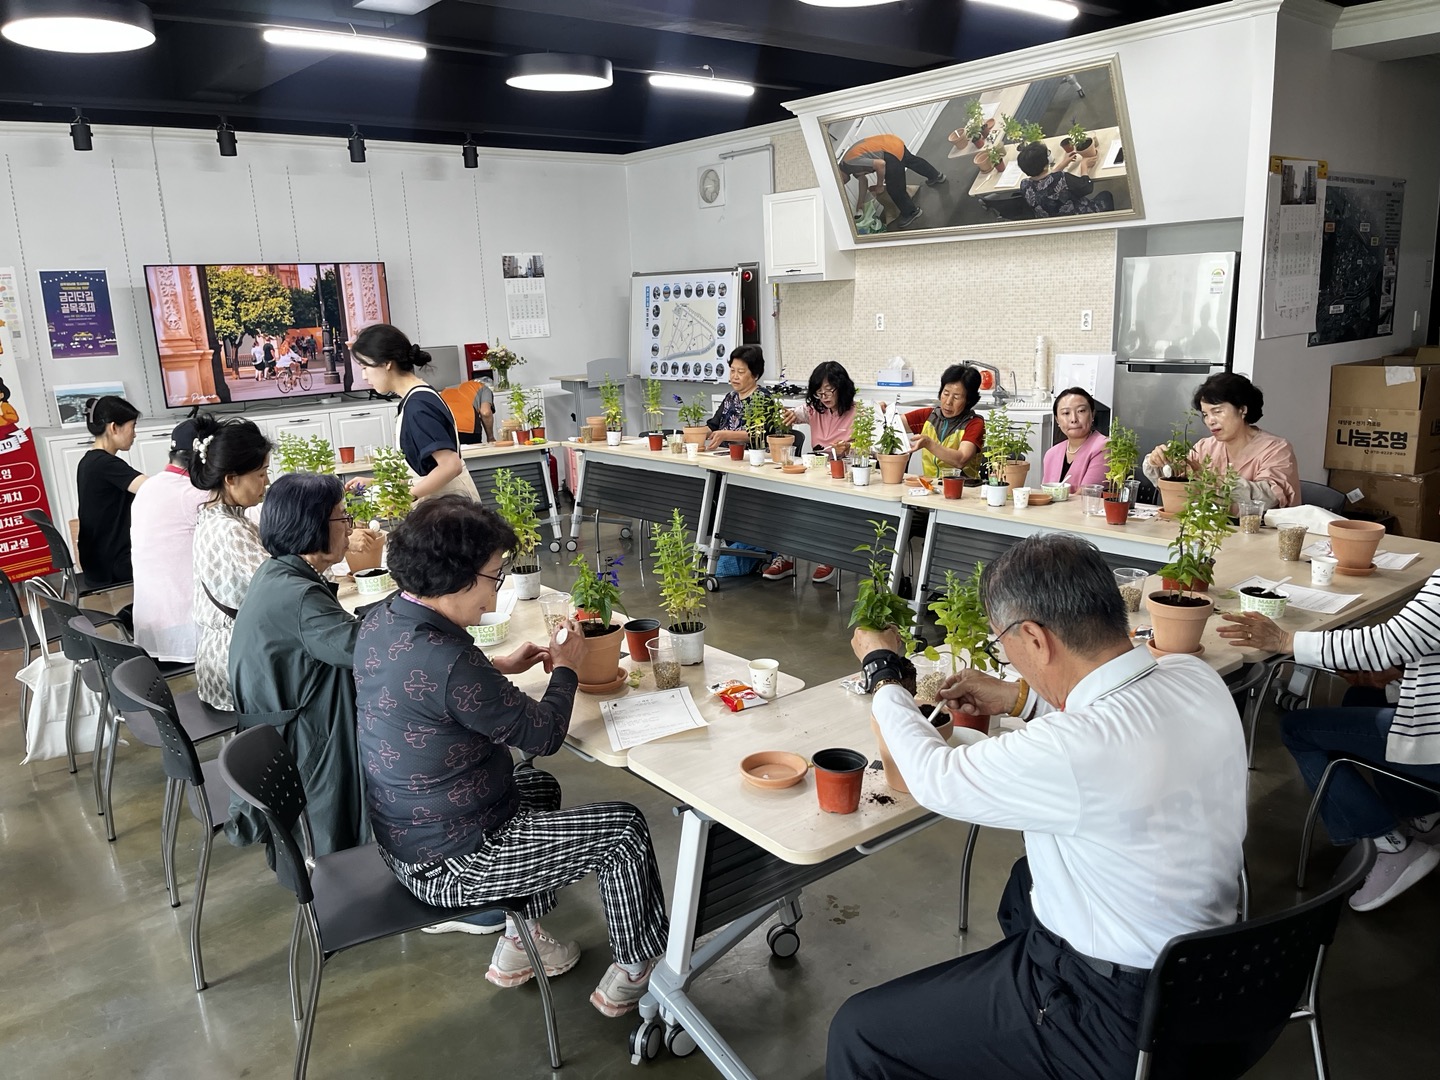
point(1322, 569)
point(1292, 539)
point(665, 658)
point(764, 677)
point(555, 608)
point(692, 451)
point(1131, 582)
point(1021, 496)
point(1091, 499)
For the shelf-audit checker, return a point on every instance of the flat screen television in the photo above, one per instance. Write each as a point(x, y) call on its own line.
point(231, 332)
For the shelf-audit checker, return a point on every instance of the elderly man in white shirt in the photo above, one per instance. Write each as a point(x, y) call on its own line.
point(1128, 780)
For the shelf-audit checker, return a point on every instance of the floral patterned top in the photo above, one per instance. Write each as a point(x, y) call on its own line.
point(227, 554)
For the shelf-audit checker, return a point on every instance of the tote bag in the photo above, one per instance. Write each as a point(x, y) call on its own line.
point(48, 677)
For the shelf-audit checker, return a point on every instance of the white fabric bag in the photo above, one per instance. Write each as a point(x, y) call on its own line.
point(48, 677)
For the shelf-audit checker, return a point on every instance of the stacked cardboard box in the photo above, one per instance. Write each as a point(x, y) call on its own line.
point(1383, 438)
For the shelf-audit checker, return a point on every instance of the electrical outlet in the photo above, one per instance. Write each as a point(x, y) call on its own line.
point(1086, 320)
point(879, 321)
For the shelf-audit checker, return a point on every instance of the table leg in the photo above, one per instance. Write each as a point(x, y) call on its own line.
point(713, 554)
point(576, 515)
point(902, 544)
point(555, 527)
point(702, 520)
point(922, 575)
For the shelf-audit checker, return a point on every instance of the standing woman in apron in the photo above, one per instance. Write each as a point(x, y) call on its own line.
point(425, 428)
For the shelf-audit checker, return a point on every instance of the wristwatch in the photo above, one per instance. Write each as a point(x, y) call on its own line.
point(883, 666)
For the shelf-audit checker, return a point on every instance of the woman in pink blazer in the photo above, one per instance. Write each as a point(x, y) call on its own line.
point(1080, 459)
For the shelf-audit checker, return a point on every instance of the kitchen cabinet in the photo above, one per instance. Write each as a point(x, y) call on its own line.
point(799, 244)
point(364, 429)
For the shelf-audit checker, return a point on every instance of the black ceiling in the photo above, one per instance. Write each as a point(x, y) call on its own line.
point(209, 60)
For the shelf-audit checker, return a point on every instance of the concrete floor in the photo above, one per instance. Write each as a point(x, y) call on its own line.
point(95, 972)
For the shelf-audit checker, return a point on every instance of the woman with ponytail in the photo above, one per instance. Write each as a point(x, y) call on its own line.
point(425, 431)
point(106, 487)
point(230, 460)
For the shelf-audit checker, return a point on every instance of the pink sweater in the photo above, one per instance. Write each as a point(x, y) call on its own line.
point(826, 428)
point(1087, 468)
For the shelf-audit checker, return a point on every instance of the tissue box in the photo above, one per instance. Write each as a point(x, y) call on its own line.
point(896, 376)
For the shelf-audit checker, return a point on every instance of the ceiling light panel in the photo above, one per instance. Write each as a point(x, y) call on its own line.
point(1060, 10)
point(325, 41)
point(696, 84)
point(79, 26)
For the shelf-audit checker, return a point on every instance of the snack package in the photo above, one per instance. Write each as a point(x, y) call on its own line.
point(737, 696)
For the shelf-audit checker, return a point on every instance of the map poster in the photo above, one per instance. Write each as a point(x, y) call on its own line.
point(685, 324)
point(77, 313)
point(1359, 256)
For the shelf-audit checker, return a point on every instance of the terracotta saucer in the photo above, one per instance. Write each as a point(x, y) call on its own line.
point(1040, 500)
point(1164, 515)
point(1161, 652)
point(606, 688)
point(1350, 571)
point(792, 469)
point(773, 769)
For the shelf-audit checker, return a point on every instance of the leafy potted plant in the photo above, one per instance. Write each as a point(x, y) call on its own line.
point(313, 454)
point(1175, 468)
point(962, 616)
point(391, 493)
point(761, 414)
point(515, 501)
point(862, 444)
point(1031, 132)
point(1017, 445)
point(1080, 142)
point(361, 508)
point(1014, 129)
point(996, 156)
point(692, 418)
point(611, 406)
point(1122, 454)
point(501, 360)
point(1177, 612)
point(892, 452)
point(878, 607)
point(535, 417)
point(1006, 444)
point(682, 592)
point(977, 128)
point(595, 594)
point(654, 416)
point(515, 424)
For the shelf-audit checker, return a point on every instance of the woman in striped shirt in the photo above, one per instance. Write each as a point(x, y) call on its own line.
point(1371, 723)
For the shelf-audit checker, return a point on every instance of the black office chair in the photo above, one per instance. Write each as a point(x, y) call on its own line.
point(346, 898)
point(1327, 498)
point(1217, 1000)
point(139, 685)
point(75, 586)
point(1319, 798)
point(1007, 205)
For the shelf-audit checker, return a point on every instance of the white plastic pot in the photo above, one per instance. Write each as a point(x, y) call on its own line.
point(995, 494)
point(612, 438)
point(755, 457)
point(689, 646)
point(527, 586)
point(860, 474)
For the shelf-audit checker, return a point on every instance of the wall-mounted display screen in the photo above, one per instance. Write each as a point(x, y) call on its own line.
point(261, 331)
point(684, 325)
point(1049, 150)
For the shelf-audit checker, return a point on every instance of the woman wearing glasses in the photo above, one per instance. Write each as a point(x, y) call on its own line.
point(291, 656)
point(951, 434)
point(829, 409)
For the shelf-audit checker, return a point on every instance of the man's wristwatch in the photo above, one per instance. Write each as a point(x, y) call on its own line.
point(883, 667)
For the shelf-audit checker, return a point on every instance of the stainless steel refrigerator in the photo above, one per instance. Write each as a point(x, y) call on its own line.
point(1176, 329)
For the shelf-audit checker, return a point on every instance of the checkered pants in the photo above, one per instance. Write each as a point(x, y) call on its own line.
point(542, 849)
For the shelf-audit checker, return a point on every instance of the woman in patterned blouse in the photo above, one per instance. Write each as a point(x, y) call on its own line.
point(747, 366)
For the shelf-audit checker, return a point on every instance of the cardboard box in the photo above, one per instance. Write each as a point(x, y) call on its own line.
point(1414, 501)
point(1385, 414)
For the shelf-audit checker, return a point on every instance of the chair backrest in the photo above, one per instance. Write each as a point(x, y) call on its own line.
point(1217, 1000)
point(9, 599)
point(139, 686)
point(109, 653)
point(73, 643)
point(59, 550)
point(259, 768)
point(1327, 498)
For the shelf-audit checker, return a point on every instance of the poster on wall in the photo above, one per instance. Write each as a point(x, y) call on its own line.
point(684, 325)
point(10, 309)
point(23, 553)
point(1359, 258)
point(77, 313)
point(1290, 281)
point(70, 399)
point(525, 304)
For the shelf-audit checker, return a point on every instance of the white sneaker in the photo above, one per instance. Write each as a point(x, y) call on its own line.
point(1393, 873)
point(509, 966)
point(619, 991)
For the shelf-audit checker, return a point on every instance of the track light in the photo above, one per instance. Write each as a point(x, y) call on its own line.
point(698, 84)
point(559, 72)
point(225, 136)
point(351, 43)
point(356, 142)
point(470, 152)
point(79, 26)
point(80, 133)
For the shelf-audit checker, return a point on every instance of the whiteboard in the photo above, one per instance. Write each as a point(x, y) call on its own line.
point(684, 325)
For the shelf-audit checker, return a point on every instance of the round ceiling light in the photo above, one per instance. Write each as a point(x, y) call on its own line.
point(559, 72)
point(846, 3)
point(79, 26)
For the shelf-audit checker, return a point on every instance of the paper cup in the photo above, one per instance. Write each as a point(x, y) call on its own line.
point(764, 677)
point(1022, 497)
point(1322, 569)
point(692, 451)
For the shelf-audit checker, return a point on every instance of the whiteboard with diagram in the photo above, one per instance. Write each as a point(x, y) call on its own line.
point(684, 325)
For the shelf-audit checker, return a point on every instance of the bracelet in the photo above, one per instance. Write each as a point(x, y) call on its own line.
point(887, 681)
point(1020, 698)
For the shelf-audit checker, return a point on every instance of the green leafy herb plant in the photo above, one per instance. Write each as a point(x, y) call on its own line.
point(877, 605)
point(962, 616)
point(677, 564)
point(515, 501)
point(654, 413)
point(762, 418)
point(391, 491)
point(596, 592)
point(1122, 454)
point(693, 412)
point(610, 405)
point(862, 433)
point(313, 454)
point(1031, 132)
point(1201, 527)
point(1176, 451)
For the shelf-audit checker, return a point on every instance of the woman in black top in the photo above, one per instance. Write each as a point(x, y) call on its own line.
point(425, 430)
point(106, 487)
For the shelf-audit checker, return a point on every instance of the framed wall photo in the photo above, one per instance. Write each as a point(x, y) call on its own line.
point(1050, 150)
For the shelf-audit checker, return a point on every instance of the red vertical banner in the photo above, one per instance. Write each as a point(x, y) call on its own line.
point(23, 552)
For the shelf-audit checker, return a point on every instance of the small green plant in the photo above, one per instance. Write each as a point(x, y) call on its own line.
point(360, 506)
point(515, 501)
point(391, 491)
point(693, 413)
point(862, 431)
point(1031, 132)
point(535, 412)
point(1079, 136)
point(518, 404)
point(677, 563)
point(997, 444)
point(889, 441)
point(1176, 451)
point(975, 122)
point(1122, 454)
point(1014, 129)
point(596, 592)
point(763, 417)
point(1201, 527)
point(297, 454)
point(610, 405)
point(996, 154)
point(877, 605)
point(654, 414)
point(961, 614)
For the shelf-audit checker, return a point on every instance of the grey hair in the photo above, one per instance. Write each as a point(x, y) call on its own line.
point(1064, 584)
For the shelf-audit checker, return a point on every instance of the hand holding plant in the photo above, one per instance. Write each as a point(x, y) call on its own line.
point(877, 605)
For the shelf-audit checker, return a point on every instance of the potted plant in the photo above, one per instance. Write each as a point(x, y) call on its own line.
point(878, 607)
point(692, 418)
point(1006, 444)
point(892, 452)
point(682, 592)
point(516, 423)
point(1080, 142)
point(1122, 454)
point(1014, 129)
point(611, 406)
point(862, 442)
point(961, 615)
point(535, 417)
point(1177, 612)
point(595, 594)
point(1031, 132)
point(1175, 468)
point(501, 360)
point(996, 156)
point(1017, 445)
point(760, 416)
point(976, 126)
point(654, 415)
point(361, 507)
point(296, 454)
point(391, 491)
point(515, 501)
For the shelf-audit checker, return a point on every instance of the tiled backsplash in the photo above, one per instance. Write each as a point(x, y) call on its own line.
point(967, 300)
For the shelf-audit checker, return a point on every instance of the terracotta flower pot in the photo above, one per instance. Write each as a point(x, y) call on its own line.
point(1353, 543)
point(953, 486)
point(839, 776)
point(1172, 496)
point(837, 469)
point(942, 723)
point(982, 160)
point(974, 723)
point(778, 445)
point(892, 468)
point(347, 455)
point(522, 437)
point(597, 427)
point(692, 434)
point(655, 440)
point(1016, 472)
point(602, 656)
point(1178, 627)
point(1116, 512)
point(368, 557)
point(1171, 585)
point(537, 433)
point(737, 451)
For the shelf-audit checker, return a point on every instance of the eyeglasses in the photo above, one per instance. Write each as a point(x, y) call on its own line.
point(349, 521)
point(995, 648)
point(499, 578)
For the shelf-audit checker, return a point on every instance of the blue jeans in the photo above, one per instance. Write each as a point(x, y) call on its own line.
point(1353, 809)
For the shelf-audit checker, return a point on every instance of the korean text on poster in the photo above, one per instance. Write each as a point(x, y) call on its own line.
point(78, 318)
point(23, 553)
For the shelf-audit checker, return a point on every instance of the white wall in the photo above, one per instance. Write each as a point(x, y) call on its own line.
point(1334, 106)
point(167, 196)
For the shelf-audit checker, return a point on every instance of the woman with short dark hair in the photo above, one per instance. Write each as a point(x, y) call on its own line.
point(1231, 405)
point(829, 409)
point(951, 434)
point(455, 820)
point(747, 367)
point(291, 654)
point(1079, 458)
point(105, 487)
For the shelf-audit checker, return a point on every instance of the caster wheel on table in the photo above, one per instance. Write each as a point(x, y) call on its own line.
point(679, 1042)
point(571, 545)
point(783, 940)
point(555, 546)
point(625, 532)
point(645, 1041)
point(712, 584)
